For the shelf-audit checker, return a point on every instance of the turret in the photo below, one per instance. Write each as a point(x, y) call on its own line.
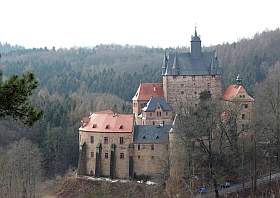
point(195, 46)
point(238, 80)
point(175, 67)
point(176, 152)
point(164, 64)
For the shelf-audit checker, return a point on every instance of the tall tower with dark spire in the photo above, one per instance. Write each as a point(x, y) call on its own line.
point(186, 74)
point(195, 46)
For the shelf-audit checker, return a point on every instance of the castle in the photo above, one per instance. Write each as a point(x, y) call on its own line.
point(128, 145)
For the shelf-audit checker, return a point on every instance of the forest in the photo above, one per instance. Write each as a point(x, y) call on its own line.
point(74, 82)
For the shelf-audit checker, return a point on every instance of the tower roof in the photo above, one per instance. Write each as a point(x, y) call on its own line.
point(195, 37)
point(195, 62)
point(146, 90)
point(108, 122)
point(237, 92)
point(207, 64)
point(156, 102)
point(151, 133)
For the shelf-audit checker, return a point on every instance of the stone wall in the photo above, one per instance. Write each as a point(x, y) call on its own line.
point(156, 118)
point(150, 161)
point(138, 105)
point(186, 89)
point(122, 166)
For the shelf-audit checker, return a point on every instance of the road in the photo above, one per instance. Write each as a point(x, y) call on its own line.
point(239, 187)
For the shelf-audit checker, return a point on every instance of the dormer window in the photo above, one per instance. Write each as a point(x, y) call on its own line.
point(107, 126)
point(157, 138)
point(121, 127)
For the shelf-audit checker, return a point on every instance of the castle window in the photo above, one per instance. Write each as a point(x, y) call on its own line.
point(121, 127)
point(106, 156)
point(208, 85)
point(105, 140)
point(160, 114)
point(182, 92)
point(91, 154)
point(182, 85)
point(153, 122)
point(121, 155)
point(152, 147)
point(193, 78)
point(195, 105)
point(245, 106)
point(138, 156)
point(121, 140)
point(195, 92)
point(151, 114)
point(157, 137)
point(243, 116)
point(213, 76)
point(152, 157)
point(92, 139)
point(144, 137)
point(138, 147)
point(94, 125)
point(107, 126)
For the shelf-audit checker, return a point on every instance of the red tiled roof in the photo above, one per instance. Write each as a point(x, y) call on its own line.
point(233, 92)
point(146, 90)
point(109, 122)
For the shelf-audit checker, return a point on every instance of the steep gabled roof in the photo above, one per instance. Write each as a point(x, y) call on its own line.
point(233, 93)
point(151, 133)
point(146, 90)
point(108, 122)
point(156, 102)
point(206, 64)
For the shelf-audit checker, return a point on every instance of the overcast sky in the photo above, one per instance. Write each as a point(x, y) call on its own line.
point(158, 23)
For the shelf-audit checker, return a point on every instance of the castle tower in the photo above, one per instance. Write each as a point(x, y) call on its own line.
point(237, 97)
point(195, 46)
point(176, 153)
point(187, 74)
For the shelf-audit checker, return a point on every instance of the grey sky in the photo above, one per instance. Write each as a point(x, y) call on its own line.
point(67, 23)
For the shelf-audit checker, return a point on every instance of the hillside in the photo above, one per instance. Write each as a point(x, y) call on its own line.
point(75, 81)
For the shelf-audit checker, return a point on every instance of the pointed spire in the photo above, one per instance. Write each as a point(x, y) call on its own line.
point(175, 61)
point(195, 45)
point(164, 64)
point(238, 80)
point(165, 60)
point(175, 67)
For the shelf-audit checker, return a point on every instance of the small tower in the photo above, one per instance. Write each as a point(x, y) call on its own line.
point(176, 152)
point(164, 64)
point(175, 67)
point(238, 80)
point(195, 46)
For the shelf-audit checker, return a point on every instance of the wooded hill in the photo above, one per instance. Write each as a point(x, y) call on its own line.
point(73, 82)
